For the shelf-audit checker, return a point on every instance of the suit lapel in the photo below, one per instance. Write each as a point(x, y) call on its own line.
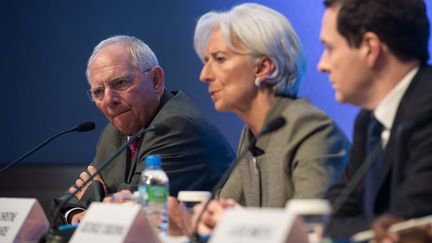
point(274, 112)
point(114, 174)
point(392, 149)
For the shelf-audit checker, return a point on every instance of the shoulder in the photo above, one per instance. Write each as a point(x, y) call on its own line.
point(418, 92)
point(180, 111)
point(307, 124)
point(301, 114)
point(417, 101)
point(109, 141)
point(110, 133)
point(179, 103)
point(178, 107)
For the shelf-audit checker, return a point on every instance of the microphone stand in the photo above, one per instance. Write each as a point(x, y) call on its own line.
point(195, 237)
point(83, 127)
point(271, 127)
point(53, 234)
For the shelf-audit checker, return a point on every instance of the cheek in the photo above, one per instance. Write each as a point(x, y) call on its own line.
point(101, 107)
point(222, 78)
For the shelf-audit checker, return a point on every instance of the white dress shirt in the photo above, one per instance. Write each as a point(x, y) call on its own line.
point(386, 110)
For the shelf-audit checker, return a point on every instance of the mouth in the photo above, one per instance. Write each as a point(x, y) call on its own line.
point(332, 83)
point(119, 113)
point(213, 95)
point(213, 92)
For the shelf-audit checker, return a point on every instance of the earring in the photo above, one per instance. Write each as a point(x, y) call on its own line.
point(258, 82)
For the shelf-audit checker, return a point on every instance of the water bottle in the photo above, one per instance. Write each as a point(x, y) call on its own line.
point(154, 190)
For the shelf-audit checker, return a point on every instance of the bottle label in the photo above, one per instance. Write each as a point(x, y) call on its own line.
point(157, 194)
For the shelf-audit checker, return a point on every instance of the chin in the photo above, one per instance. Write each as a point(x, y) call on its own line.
point(340, 98)
point(127, 131)
point(221, 108)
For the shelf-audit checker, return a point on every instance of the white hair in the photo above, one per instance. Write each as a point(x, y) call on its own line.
point(262, 31)
point(140, 53)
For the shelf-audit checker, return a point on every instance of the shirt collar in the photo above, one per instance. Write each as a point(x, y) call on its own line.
point(386, 110)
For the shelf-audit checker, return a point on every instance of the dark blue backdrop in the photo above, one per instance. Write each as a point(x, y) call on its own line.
point(45, 46)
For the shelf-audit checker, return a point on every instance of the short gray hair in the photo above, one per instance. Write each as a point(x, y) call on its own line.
point(140, 53)
point(262, 31)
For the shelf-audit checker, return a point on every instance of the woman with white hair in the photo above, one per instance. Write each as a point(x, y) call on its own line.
point(253, 63)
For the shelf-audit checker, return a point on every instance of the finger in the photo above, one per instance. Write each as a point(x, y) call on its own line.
point(125, 192)
point(107, 200)
point(198, 207)
point(78, 217)
point(84, 175)
point(78, 182)
point(75, 219)
point(173, 202)
point(91, 169)
point(228, 203)
point(204, 230)
point(214, 207)
point(205, 219)
point(121, 197)
point(209, 220)
point(72, 189)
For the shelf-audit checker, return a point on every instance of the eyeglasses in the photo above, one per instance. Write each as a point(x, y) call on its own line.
point(119, 85)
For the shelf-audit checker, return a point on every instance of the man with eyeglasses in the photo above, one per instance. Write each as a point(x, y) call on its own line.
point(127, 85)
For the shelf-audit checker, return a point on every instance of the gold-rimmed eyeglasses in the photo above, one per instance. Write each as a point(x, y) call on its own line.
point(118, 85)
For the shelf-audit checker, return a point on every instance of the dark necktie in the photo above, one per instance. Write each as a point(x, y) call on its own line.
point(373, 176)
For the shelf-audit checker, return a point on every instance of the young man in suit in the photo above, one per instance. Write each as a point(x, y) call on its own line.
point(376, 53)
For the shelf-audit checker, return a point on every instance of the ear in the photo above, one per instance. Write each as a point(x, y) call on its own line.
point(158, 79)
point(265, 68)
point(372, 48)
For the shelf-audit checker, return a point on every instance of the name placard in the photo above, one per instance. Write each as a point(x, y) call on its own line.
point(115, 223)
point(22, 220)
point(255, 225)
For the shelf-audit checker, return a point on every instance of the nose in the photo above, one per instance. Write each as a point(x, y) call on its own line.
point(111, 97)
point(206, 75)
point(323, 63)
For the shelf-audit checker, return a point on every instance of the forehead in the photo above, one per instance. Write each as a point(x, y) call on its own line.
point(111, 61)
point(231, 42)
point(329, 24)
point(216, 41)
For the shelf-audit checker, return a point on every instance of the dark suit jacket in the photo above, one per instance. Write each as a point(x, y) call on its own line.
point(405, 185)
point(194, 153)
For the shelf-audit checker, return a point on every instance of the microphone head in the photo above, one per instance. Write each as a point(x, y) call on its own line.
point(85, 126)
point(273, 125)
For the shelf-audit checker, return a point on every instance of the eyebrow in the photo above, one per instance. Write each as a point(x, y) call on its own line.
point(217, 52)
point(120, 77)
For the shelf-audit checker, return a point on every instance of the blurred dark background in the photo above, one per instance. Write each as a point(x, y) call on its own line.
point(44, 50)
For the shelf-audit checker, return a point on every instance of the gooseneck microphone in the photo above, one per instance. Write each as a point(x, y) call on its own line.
point(355, 180)
point(272, 126)
point(82, 127)
point(158, 129)
point(403, 132)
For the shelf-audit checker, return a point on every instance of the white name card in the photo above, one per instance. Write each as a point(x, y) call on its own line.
point(115, 223)
point(22, 220)
point(254, 225)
